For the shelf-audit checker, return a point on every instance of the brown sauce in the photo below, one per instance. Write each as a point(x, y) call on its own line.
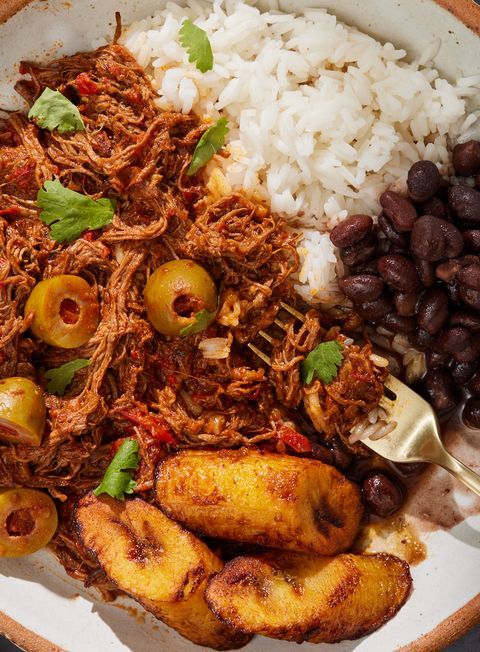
point(395, 536)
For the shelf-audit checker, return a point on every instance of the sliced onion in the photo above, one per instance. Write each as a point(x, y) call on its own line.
point(314, 410)
point(215, 348)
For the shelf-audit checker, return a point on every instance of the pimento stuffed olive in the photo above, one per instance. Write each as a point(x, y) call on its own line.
point(28, 520)
point(22, 411)
point(65, 311)
point(176, 293)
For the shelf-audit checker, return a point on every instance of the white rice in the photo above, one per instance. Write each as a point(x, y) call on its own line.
point(322, 117)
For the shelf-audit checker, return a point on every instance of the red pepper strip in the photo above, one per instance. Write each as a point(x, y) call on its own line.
point(295, 440)
point(13, 210)
point(85, 85)
point(152, 424)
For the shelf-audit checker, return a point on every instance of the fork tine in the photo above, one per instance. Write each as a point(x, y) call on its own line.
point(263, 356)
point(292, 311)
point(266, 336)
point(280, 324)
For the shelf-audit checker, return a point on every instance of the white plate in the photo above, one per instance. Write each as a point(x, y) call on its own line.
point(36, 593)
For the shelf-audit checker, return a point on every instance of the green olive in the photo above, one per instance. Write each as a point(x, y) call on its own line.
point(22, 411)
point(65, 309)
point(28, 520)
point(176, 292)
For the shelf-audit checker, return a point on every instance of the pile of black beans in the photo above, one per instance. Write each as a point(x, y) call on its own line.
point(417, 272)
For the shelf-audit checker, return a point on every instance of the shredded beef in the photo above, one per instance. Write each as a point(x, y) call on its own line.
point(139, 383)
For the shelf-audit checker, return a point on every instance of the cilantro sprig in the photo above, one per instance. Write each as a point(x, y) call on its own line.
point(117, 480)
point(195, 41)
point(323, 362)
point(208, 145)
point(52, 111)
point(203, 319)
point(60, 378)
point(70, 213)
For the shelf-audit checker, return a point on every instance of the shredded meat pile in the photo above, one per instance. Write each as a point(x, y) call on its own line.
point(140, 383)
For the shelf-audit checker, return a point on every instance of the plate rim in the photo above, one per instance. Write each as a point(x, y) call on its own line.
point(446, 632)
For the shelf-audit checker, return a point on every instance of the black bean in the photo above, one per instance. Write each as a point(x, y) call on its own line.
point(361, 287)
point(399, 272)
point(454, 339)
point(470, 276)
point(342, 457)
point(375, 309)
point(474, 384)
point(406, 303)
point(453, 239)
point(426, 271)
point(466, 158)
point(462, 371)
point(321, 453)
point(423, 180)
point(427, 240)
point(471, 413)
point(469, 353)
point(448, 270)
point(435, 207)
point(399, 324)
point(399, 210)
point(469, 259)
point(359, 253)
point(396, 238)
point(469, 297)
point(471, 240)
point(421, 340)
point(351, 231)
point(440, 390)
point(382, 494)
point(465, 203)
point(432, 311)
point(466, 319)
point(434, 359)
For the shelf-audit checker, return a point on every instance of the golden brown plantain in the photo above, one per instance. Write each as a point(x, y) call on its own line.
point(309, 598)
point(253, 496)
point(156, 562)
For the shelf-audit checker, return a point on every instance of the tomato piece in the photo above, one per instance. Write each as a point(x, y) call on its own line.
point(85, 85)
point(294, 439)
point(152, 423)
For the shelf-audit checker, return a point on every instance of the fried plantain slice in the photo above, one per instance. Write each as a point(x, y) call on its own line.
point(156, 562)
point(309, 598)
point(248, 495)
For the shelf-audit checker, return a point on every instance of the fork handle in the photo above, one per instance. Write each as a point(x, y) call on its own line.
point(459, 470)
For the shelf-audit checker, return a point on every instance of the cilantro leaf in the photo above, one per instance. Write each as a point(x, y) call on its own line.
point(208, 145)
point(70, 212)
point(203, 319)
point(61, 377)
point(323, 362)
point(117, 480)
point(52, 111)
point(196, 43)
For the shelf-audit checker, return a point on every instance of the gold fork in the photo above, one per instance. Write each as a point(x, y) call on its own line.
point(416, 437)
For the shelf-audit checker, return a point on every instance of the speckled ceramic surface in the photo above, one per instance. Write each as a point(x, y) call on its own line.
point(41, 608)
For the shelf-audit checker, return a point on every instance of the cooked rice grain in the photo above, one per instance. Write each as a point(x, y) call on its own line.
point(322, 117)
